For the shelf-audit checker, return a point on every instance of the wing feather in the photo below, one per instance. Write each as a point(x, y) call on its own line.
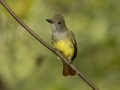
point(75, 45)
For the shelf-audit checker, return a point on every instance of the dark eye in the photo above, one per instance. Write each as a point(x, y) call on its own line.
point(59, 22)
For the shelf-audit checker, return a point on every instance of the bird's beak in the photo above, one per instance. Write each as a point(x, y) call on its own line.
point(50, 21)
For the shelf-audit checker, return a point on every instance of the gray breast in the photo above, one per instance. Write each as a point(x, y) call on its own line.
point(60, 35)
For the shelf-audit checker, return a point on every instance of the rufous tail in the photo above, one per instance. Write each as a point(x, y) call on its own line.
point(67, 70)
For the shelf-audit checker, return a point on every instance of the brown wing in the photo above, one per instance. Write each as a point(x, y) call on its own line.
point(75, 45)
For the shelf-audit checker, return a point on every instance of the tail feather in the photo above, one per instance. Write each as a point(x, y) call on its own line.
point(72, 72)
point(67, 70)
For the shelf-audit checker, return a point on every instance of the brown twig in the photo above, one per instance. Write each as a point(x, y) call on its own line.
point(47, 45)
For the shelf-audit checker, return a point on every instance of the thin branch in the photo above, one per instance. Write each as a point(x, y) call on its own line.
point(47, 45)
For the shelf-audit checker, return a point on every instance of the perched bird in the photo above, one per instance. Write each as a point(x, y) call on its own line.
point(63, 40)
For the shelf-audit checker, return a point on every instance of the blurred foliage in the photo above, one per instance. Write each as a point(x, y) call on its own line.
point(25, 64)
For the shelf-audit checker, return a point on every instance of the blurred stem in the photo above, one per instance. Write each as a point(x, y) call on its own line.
point(48, 46)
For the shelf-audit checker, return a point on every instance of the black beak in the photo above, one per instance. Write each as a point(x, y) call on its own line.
point(50, 21)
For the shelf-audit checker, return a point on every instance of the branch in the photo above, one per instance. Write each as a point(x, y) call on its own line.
point(47, 46)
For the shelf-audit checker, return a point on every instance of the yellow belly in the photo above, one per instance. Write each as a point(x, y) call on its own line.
point(66, 47)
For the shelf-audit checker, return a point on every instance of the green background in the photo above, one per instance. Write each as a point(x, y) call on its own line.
point(25, 64)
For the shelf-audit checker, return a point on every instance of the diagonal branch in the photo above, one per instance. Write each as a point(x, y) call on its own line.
point(47, 45)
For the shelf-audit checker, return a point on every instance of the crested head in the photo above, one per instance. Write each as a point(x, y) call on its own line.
point(57, 23)
point(58, 16)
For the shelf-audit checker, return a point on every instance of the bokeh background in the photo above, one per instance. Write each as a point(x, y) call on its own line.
point(25, 64)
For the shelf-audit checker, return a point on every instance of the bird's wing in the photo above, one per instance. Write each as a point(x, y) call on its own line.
point(75, 45)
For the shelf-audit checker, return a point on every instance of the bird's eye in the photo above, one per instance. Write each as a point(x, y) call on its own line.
point(59, 22)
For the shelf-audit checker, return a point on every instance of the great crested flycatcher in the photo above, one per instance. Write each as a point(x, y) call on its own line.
point(63, 39)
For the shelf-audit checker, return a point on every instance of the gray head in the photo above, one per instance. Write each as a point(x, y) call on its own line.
point(57, 23)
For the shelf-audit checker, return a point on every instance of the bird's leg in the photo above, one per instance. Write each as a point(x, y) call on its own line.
point(58, 51)
point(69, 59)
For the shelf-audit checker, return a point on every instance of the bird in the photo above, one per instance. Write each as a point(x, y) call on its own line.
point(64, 41)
